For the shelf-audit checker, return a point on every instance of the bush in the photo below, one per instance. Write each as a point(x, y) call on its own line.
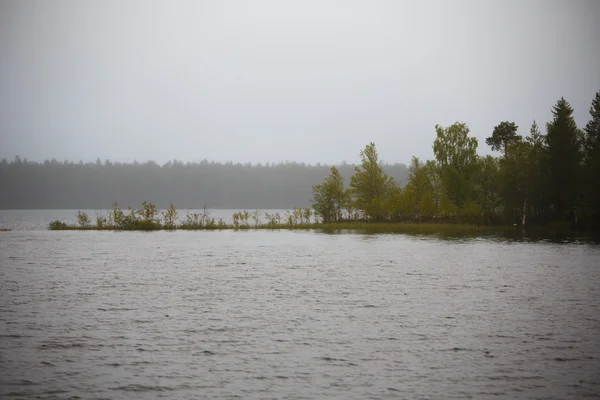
point(100, 221)
point(57, 225)
point(83, 219)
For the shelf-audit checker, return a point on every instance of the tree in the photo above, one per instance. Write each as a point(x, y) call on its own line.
point(517, 180)
point(418, 195)
point(592, 129)
point(330, 198)
point(433, 173)
point(456, 154)
point(454, 147)
point(503, 134)
point(485, 184)
point(371, 188)
point(563, 160)
point(591, 174)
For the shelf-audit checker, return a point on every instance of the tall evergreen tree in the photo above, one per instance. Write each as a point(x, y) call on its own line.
point(591, 175)
point(592, 129)
point(563, 160)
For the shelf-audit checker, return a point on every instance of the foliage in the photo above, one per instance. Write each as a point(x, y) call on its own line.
point(456, 154)
point(116, 216)
point(330, 198)
point(198, 221)
point(273, 219)
point(57, 225)
point(563, 160)
point(148, 213)
point(100, 221)
point(503, 135)
point(170, 216)
point(591, 166)
point(454, 148)
point(83, 219)
point(371, 188)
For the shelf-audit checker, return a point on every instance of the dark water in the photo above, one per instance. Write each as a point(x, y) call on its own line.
point(262, 314)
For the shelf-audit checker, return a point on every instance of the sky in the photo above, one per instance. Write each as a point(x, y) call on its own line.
point(271, 80)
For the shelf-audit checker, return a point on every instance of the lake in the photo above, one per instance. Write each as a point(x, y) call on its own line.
point(293, 314)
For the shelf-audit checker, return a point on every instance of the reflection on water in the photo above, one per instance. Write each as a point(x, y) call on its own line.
point(260, 314)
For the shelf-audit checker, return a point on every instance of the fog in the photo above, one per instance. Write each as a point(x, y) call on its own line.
point(270, 81)
point(56, 185)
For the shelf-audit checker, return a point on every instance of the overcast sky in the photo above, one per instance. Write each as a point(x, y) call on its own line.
point(267, 81)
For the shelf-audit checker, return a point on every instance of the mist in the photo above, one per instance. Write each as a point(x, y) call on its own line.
point(271, 81)
point(68, 185)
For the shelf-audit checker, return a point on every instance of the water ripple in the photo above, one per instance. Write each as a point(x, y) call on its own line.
point(295, 315)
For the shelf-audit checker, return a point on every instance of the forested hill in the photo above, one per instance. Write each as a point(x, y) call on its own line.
point(68, 185)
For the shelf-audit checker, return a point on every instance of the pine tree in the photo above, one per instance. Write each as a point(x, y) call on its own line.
point(504, 134)
point(591, 173)
point(563, 160)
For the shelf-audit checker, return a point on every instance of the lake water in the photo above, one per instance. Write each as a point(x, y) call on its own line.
point(298, 315)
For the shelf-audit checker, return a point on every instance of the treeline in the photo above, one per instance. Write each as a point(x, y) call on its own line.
point(68, 185)
point(550, 177)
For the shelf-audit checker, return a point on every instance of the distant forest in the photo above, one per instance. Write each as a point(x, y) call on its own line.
point(70, 185)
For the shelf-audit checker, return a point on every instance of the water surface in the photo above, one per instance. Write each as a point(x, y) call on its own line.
point(282, 314)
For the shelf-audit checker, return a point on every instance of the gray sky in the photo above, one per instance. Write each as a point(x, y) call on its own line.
point(258, 81)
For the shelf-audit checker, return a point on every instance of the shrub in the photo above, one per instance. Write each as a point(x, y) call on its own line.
point(148, 213)
point(100, 221)
point(83, 219)
point(57, 225)
point(170, 215)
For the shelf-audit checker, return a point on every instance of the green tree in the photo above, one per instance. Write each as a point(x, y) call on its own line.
point(591, 174)
point(433, 172)
point(516, 181)
point(418, 195)
point(503, 134)
point(454, 147)
point(485, 184)
point(537, 162)
point(563, 160)
point(330, 198)
point(592, 129)
point(456, 154)
point(371, 188)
